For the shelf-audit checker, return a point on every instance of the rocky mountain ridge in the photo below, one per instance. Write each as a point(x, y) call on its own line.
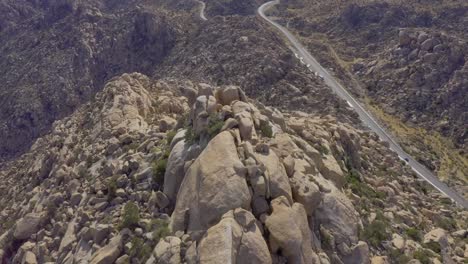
point(170, 171)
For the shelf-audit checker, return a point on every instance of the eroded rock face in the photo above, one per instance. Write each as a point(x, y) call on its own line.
point(295, 240)
point(235, 239)
point(214, 184)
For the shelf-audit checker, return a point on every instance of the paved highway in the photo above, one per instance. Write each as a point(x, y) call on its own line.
point(366, 118)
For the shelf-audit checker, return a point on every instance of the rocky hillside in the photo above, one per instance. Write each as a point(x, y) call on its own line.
point(174, 171)
point(410, 61)
point(55, 56)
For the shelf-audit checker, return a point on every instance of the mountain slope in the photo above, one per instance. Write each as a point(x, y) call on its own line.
point(173, 165)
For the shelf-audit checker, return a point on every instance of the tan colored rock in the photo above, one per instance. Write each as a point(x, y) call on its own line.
point(305, 192)
point(438, 235)
point(29, 258)
point(336, 213)
point(332, 171)
point(109, 253)
point(295, 240)
point(229, 94)
point(235, 239)
point(167, 251)
point(214, 184)
point(359, 254)
point(278, 182)
point(398, 241)
point(380, 260)
point(28, 225)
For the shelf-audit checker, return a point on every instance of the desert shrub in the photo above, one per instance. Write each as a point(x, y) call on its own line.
point(140, 250)
point(434, 246)
point(266, 130)
point(161, 229)
point(170, 136)
point(159, 169)
point(130, 216)
point(398, 256)
point(377, 231)
point(322, 149)
point(190, 136)
point(413, 233)
point(423, 256)
point(446, 223)
point(353, 182)
point(214, 126)
point(112, 188)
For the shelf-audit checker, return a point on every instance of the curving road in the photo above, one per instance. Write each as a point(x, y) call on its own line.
point(366, 118)
point(202, 10)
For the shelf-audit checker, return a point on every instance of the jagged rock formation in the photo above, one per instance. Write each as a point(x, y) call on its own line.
point(168, 171)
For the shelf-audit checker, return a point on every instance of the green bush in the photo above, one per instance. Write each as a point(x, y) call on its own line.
point(446, 223)
point(161, 229)
point(112, 188)
point(398, 256)
point(376, 232)
point(353, 182)
point(159, 169)
point(190, 136)
point(214, 126)
point(140, 250)
point(323, 150)
point(266, 129)
point(130, 216)
point(170, 136)
point(434, 246)
point(413, 233)
point(423, 256)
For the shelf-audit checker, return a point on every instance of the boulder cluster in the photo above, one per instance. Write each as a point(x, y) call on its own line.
point(170, 171)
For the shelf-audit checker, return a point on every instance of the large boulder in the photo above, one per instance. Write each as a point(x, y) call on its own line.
point(289, 232)
point(306, 192)
point(167, 251)
point(278, 182)
point(109, 253)
point(28, 225)
point(175, 170)
point(229, 94)
point(214, 184)
point(337, 214)
point(235, 239)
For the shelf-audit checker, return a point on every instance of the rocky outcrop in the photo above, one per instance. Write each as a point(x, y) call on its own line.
point(214, 184)
point(235, 239)
point(121, 181)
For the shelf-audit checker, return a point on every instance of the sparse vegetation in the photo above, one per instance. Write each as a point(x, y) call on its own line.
point(434, 246)
point(398, 256)
point(423, 256)
point(214, 126)
point(112, 188)
point(190, 136)
point(446, 223)
point(130, 216)
point(170, 136)
point(161, 229)
point(377, 231)
point(140, 250)
point(159, 169)
point(266, 130)
point(413, 233)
